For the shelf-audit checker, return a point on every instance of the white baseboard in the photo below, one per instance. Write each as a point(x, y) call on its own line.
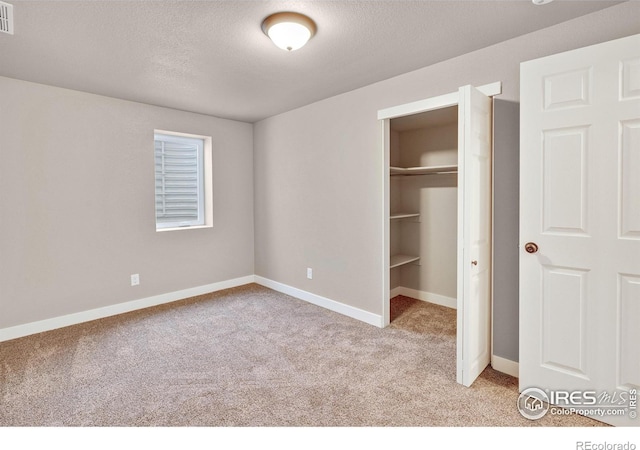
point(430, 297)
point(350, 311)
point(396, 291)
point(120, 308)
point(505, 366)
point(112, 310)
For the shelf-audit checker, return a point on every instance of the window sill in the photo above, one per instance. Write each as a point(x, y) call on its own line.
point(195, 227)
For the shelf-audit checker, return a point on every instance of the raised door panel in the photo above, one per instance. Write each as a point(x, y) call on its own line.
point(567, 89)
point(564, 180)
point(564, 320)
point(629, 338)
point(629, 172)
point(630, 79)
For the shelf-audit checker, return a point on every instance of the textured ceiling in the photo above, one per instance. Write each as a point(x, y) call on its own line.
point(211, 57)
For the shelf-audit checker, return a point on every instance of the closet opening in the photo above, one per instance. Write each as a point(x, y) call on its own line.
point(423, 206)
point(437, 217)
point(423, 218)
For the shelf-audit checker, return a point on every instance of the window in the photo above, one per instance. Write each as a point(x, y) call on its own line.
point(183, 180)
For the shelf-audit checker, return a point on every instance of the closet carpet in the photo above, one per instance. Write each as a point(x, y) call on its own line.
point(250, 356)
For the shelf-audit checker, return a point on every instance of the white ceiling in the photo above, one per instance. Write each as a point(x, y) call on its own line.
point(211, 57)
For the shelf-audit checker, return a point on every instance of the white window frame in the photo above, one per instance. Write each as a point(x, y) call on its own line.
point(205, 180)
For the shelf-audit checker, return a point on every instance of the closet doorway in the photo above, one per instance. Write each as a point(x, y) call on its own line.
point(437, 213)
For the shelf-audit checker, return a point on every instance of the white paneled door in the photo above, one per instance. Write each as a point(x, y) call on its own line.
point(580, 229)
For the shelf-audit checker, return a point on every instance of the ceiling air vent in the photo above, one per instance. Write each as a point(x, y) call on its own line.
point(6, 18)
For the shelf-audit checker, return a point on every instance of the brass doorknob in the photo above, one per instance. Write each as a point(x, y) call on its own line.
point(531, 247)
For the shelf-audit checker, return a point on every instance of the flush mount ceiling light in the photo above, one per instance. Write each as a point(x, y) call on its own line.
point(289, 30)
point(541, 2)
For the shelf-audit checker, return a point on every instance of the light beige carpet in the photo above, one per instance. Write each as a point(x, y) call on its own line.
point(250, 356)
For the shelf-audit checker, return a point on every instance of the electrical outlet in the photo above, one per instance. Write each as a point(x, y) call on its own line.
point(135, 279)
point(310, 273)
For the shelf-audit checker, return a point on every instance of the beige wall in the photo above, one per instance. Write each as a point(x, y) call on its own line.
point(77, 203)
point(318, 182)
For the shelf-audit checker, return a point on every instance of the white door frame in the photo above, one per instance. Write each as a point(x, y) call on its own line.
point(385, 116)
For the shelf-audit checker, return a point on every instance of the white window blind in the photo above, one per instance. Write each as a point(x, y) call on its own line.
point(179, 181)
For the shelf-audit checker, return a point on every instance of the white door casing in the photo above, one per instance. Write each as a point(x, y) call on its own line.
point(474, 234)
point(580, 204)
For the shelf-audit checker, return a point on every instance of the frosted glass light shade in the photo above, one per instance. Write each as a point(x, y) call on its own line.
point(289, 31)
point(289, 36)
